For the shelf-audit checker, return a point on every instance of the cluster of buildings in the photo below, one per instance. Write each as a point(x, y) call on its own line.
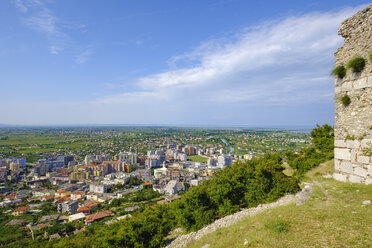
point(81, 186)
point(12, 169)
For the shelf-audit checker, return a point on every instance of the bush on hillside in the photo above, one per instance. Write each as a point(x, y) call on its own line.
point(244, 184)
point(322, 139)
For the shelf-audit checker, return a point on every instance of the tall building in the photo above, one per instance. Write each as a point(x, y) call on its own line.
point(224, 161)
point(128, 157)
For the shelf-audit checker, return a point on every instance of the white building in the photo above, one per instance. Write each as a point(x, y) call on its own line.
point(224, 161)
point(173, 187)
point(98, 188)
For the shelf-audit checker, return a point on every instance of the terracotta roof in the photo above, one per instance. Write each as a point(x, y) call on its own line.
point(13, 195)
point(91, 204)
point(77, 193)
point(82, 209)
point(62, 199)
point(21, 209)
point(98, 216)
point(147, 183)
point(48, 197)
point(111, 162)
point(62, 191)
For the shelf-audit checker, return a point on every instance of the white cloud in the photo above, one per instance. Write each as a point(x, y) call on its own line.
point(278, 63)
point(20, 6)
point(37, 16)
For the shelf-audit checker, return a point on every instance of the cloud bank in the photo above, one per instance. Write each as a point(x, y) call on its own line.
point(274, 73)
point(276, 64)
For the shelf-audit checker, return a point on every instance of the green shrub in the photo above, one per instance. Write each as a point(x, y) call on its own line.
point(357, 64)
point(339, 71)
point(345, 100)
point(370, 57)
point(322, 139)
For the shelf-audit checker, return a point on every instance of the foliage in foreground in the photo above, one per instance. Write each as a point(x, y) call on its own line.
point(321, 151)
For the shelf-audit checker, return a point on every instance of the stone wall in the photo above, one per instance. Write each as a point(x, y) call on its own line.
point(353, 123)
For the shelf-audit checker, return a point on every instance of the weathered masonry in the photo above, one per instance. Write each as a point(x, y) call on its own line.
point(353, 100)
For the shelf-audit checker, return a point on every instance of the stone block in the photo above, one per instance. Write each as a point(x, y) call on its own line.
point(346, 167)
point(352, 143)
point(369, 181)
point(340, 143)
point(360, 171)
point(342, 153)
point(366, 143)
point(363, 159)
point(370, 81)
point(355, 179)
point(347, 86)
point(339, 177)
point(361, 83)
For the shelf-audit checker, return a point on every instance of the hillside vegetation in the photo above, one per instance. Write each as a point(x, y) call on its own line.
point(334, 216)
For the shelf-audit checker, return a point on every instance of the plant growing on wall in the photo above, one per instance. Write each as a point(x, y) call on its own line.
point(357, 64)
point(339, 71)
point(370, 57)
point(368, 151)
point(345, 100)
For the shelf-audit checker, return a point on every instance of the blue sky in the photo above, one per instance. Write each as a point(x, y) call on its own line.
point(223, 63)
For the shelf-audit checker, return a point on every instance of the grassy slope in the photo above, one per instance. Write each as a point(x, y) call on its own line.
point(333, 217)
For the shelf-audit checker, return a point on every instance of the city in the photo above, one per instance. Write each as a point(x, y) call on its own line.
point(86, 177)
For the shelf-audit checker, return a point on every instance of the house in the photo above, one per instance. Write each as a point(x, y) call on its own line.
point(48, 198)
point(20, 211)
point(173, 187)
point(62, 199)
point(67, 206)
point(146, 185)
point(49, 218)
point(62, 193)
point(132, 208)
point(77, 195)
point(16, 222)
point(92, 205)
point(98, 216)
point(76, 217)
point(84, 210)
point(54, 236)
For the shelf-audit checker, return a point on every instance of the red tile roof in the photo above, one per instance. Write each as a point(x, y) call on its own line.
point(111, 162)
point(77, 193)
point(83, 209)
point(147, 183)
point(62, 199)
point(98, 216)
point(48, 197)
point(62, 191)
point(21, 209)
point(91, 204)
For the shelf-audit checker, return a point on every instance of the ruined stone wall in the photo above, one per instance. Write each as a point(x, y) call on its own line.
point(353, 122)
